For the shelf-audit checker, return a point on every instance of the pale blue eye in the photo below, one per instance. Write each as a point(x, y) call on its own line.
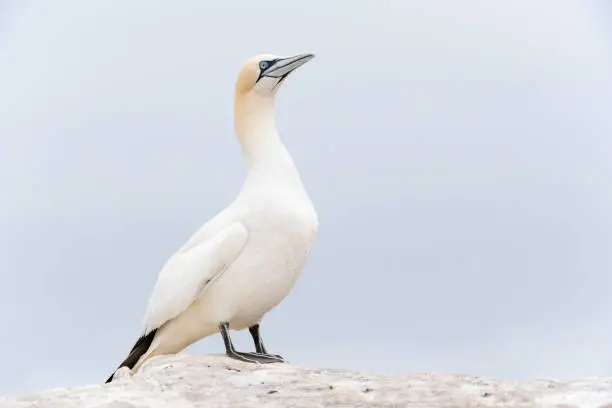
point(263, 65)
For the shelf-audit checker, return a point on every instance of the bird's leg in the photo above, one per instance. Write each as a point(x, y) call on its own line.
point(229, 346)
point(237, 355)
point(259, 346)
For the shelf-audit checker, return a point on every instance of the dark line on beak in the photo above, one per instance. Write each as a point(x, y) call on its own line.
point(292, 62)
point(282, 79)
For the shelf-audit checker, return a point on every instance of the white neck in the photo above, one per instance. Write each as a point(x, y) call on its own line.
point(256, 130)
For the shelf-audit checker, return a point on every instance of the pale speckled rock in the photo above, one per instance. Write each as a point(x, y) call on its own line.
point(215, 381)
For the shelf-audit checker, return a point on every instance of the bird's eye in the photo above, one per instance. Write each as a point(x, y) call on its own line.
point(263, 65)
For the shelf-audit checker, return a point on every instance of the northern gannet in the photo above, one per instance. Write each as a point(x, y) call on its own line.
point(245, 260)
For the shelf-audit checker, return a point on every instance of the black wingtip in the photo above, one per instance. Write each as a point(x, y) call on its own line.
point(141, 347)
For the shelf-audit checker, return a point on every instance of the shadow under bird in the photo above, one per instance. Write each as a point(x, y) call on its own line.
point(245, 260)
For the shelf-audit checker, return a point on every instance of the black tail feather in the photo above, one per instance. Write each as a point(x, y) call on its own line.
point(141, 347)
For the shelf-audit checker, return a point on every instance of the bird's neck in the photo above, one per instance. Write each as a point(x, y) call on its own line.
point(256, 130)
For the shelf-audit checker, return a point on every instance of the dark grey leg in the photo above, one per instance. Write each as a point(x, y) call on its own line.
point(259, 346)
point(237, 355)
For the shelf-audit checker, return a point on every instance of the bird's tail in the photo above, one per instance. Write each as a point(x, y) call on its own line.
point(139, 349)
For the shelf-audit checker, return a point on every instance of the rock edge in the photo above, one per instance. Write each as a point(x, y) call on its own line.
point(216, 381)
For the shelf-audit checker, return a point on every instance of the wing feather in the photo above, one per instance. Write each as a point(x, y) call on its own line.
point(188, 272)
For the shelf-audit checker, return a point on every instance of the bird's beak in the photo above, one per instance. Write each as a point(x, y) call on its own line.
point(284, 66)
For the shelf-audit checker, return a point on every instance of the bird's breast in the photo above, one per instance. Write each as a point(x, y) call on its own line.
point(287, 227)
point(281, 234)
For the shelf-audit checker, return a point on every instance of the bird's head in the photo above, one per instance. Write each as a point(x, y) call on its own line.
point(265, 73)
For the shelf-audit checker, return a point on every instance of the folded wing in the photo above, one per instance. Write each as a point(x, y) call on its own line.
point(189, 271)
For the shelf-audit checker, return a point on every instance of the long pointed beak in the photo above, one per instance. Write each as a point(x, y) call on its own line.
point(284, 66)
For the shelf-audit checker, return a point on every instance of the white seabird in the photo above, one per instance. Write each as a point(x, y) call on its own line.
point(245, 260)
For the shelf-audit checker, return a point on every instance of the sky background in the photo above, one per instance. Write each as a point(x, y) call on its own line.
point(458, 154)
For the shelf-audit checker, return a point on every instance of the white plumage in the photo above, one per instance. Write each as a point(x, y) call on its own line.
point(245, 260)
point(191, 270)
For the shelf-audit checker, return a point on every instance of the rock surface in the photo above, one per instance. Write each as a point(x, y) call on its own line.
point(216, 381)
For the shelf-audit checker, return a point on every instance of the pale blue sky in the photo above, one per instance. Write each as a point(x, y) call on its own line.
point(458, 156)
